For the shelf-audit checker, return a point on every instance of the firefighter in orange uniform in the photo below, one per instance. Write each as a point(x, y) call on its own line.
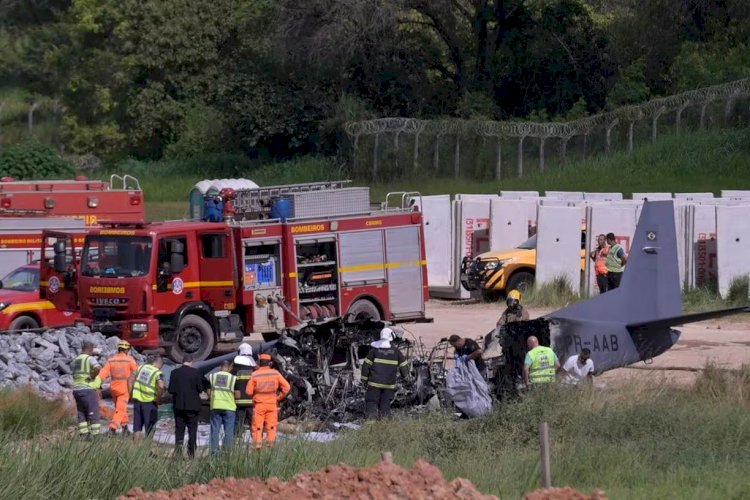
point(267, 387)
point(120, 368)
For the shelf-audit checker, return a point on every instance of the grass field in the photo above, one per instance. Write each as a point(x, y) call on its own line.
point(692, 162)
point(642, 441)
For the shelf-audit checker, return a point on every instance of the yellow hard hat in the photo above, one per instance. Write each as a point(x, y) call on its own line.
point(123, 345)
point(515, 294)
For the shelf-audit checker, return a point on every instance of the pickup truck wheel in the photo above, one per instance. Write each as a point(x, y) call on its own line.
point(195, 337)
point(363, 309)
point(24, 323)
point(521, 281)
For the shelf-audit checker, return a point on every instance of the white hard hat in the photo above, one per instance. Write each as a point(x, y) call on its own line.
point(246, 350)
point(387, 334)
point(244, 361)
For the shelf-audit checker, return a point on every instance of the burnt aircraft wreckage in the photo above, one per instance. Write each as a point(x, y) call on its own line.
point(323, 359)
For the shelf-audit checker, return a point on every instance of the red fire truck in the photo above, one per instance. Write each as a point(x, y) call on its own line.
point(188, 286)
point(29, 207)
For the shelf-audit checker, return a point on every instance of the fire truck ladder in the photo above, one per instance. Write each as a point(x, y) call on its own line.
point(257, 201)
point(123, 179)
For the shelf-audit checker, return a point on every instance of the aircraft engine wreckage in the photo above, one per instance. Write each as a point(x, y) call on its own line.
point(323, 362)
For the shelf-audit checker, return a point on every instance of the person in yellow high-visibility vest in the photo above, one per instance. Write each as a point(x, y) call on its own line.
point(541, 363)
point(224, 398)
point(148, 386)
point(85, 369)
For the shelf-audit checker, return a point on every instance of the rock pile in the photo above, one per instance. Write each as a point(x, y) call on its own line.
point(42, 360)
point(423, 481)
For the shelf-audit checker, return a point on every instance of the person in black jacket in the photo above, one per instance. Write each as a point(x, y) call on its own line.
point(186, 384)
point(379, 373)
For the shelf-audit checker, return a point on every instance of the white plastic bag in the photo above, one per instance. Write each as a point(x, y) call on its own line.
point(468, 390)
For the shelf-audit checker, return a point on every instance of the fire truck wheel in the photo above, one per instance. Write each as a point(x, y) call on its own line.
point(195, 337)
point(24, 323)
point(363, 309)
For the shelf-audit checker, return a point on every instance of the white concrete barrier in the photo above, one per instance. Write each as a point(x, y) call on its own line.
point(564, 195)
point(558, 252)
point(735, 194)
point(511, 222)
point(519, 195)
point(733, 244)
point(602, 196)
point(693, 196)
point(439, 240)
point(652, 196)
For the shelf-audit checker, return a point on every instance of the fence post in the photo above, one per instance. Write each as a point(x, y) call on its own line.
point(375, 157)
point(678, 117)
point(436, 156)
point(520, 155)
point(544, 447)
point(630, 136)
point(499, 163)
point(609, 133)
point(659, 112)
point(542, 140)
point(31, 116)
point(415, 167)
point(457, 158)
point(703, 114)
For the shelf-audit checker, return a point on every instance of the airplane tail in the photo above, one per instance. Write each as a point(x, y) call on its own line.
point(650, 286)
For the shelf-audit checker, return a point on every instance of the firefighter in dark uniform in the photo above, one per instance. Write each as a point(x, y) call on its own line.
point(244, 364)
point(379, 373)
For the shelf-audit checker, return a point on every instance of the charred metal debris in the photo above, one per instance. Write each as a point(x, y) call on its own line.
point(323, 361)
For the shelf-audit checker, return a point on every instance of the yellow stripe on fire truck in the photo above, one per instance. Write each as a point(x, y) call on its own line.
point(389, 265)
point(202, 284)
point(29, 306)
point(46, 284)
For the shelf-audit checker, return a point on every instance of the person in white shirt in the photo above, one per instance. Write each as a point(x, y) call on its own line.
point(579, 367)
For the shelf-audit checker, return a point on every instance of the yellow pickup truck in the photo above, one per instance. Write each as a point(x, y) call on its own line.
point(497, 272)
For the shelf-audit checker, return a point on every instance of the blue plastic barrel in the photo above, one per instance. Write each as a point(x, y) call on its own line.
point(281, 209)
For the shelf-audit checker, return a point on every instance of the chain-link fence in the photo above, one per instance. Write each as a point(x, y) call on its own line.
point(388, 148)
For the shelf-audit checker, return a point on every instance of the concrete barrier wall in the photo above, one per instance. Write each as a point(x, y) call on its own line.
point(558, 252)
point(472, 224)
point(733, 245)
point(512, 222)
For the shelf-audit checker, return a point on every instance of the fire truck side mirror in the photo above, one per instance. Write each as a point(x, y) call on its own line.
point(177, 257)
point(61, 264)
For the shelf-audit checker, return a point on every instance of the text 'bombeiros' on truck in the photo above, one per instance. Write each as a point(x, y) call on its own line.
point(260, 260)
point(27, 208)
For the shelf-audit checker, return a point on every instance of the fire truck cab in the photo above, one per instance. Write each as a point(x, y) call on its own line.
point(27, 208)
point(188, 286)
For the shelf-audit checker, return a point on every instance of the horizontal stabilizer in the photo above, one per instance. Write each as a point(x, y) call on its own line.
point(686, 318)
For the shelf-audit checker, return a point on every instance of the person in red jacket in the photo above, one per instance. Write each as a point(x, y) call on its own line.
point(267, 387)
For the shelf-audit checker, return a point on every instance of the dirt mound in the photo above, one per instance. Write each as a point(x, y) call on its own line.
point(383, 481)
point(564, 494)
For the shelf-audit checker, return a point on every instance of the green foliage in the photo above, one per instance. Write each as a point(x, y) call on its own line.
point(24, 414)
point(33, 160)
point(201, 132)
point(631, 88)
point(477, 106)
point(556, 293)
point(702, 64)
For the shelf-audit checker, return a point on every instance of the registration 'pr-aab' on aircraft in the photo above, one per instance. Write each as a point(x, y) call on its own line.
point(631, 323)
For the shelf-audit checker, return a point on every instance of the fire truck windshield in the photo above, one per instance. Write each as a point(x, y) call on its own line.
point(116, 256)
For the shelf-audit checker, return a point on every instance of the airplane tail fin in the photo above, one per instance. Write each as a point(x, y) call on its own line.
point(650, 286)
